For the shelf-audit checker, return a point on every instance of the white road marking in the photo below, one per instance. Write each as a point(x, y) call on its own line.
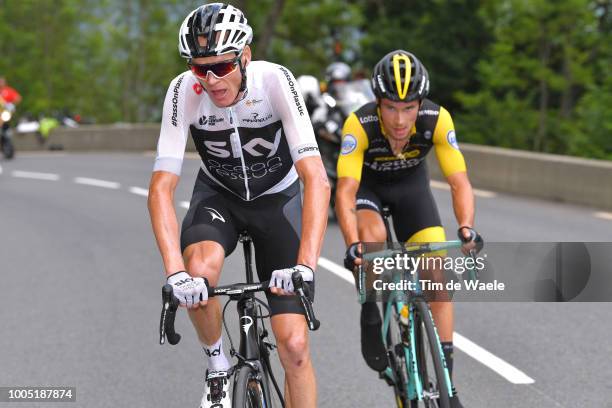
point(337, 270)
point(35, 175)
point(43, 154)
point(187, 155)
point(184, 204)
point(97, 183)
point(509, 372)
point(139, 191)
point(604, 215)
point(0, 169)
point(477, 192)
point(439, 184)
point(484, 193)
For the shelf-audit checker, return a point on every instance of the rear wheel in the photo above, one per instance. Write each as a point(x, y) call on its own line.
point(250, 389)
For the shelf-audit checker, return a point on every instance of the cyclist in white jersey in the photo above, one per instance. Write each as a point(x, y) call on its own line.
point(251, 128)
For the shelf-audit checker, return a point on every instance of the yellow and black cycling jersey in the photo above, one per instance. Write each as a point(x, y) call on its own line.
point(366, 152)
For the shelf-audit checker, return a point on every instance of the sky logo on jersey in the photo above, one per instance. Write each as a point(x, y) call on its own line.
point(349, 143)
point(452, 139)
point(256, 147)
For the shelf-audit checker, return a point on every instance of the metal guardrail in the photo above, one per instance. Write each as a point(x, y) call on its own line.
point(546, 176)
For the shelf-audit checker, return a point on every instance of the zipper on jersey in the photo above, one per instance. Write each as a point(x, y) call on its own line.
point(237, 150)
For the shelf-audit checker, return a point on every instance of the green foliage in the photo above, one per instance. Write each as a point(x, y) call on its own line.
point(542, 85)
point(529, 74)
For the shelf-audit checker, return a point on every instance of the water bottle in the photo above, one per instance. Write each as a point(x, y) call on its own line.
point(404, 315)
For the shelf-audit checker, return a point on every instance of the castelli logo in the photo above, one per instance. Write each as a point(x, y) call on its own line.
point(198, 88)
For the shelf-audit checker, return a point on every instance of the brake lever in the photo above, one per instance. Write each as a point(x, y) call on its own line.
point(168, 314)
point(298, 284)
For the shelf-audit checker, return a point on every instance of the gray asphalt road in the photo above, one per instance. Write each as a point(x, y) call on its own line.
point(81, 275)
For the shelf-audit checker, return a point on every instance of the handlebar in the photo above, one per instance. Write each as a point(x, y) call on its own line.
point(236, 290)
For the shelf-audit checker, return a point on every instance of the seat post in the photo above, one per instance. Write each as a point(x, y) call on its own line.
point(246, 240)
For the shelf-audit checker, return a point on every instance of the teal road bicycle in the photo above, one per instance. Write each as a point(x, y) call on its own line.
point(417, 369)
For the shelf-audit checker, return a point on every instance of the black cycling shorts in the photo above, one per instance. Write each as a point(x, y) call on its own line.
point(273, 221)
point(409, 199)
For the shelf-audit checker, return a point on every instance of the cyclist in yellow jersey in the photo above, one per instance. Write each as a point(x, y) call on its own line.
point(382, 163)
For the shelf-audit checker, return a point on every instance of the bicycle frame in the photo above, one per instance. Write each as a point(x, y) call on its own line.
point(247, 313)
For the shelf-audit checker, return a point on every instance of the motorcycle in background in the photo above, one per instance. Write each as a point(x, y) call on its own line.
point(6, 143)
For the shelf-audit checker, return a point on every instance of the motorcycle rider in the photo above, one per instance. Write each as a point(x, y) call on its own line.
point(337, 73)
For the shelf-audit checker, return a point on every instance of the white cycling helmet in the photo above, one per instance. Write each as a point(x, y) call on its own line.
point(224, 27)
point(338, 71)
point(309, 85)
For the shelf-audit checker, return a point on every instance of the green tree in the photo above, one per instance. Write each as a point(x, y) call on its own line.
point(446, 35)
point(533, 75)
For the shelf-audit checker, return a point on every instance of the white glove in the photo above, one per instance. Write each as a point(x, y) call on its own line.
point(188, 290)
point(281, 278)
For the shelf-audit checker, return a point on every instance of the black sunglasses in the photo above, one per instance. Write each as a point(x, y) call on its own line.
point(219, 69)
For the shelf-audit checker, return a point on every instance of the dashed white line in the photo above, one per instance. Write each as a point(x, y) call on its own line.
point(604, 215)
point(184, 204)
point(139, 191)
point(188, 155)
point(439, 184)
point(97, 183)
point(35, 175)
point(509, 372)
point(337, 270)
point(0, 169)
point(506, 370)
point(477, 192)
point(484, 193)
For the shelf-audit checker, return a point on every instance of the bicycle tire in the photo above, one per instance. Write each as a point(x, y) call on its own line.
point(429, 361)
point(250, 389)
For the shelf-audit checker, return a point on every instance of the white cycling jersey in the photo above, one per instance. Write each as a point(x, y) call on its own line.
point(248, 148)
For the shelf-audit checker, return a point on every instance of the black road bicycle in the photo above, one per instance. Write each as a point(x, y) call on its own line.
point(252, 372)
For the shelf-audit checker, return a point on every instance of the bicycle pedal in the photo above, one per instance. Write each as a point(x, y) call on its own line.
point(270, 345)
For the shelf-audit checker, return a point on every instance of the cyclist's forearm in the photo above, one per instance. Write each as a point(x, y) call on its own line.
point(314, 218)
point(463, 202)
point(165, 228)
point(347, 217)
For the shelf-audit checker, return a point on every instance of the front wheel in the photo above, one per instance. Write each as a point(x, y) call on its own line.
point(430, 361)
point(250, 389)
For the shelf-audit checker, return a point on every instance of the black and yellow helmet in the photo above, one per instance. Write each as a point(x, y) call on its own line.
point(401, 77)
